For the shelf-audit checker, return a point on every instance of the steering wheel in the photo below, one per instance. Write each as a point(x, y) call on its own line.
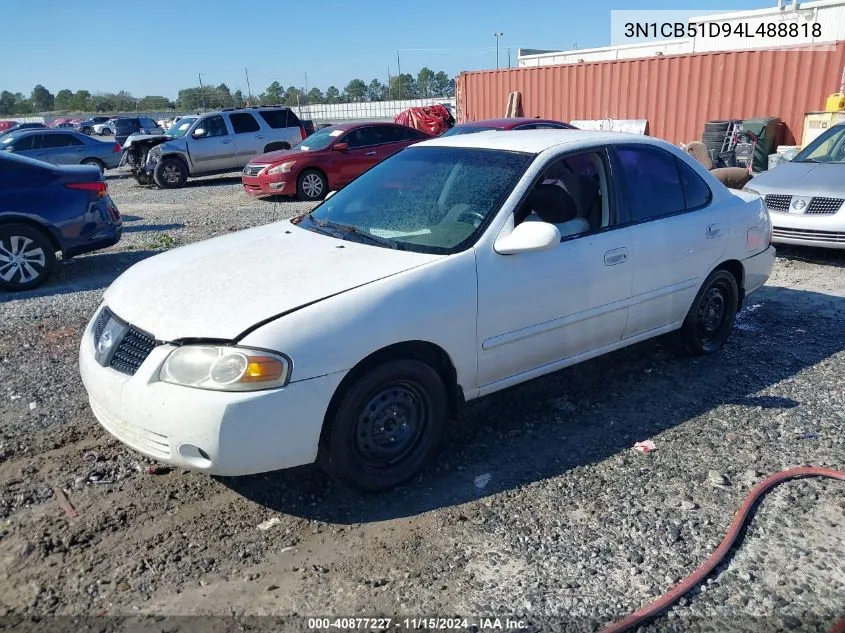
point(471, 217)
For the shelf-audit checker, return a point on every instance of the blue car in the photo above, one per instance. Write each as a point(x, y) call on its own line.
point(47, 208)
point(62, 147)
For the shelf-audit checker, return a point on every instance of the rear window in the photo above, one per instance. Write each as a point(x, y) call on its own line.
point(244, 122)
point(126, 125)
point(59, 140)
point(279, 118)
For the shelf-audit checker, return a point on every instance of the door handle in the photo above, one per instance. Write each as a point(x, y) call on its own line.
point(370, 154)
point(259, 136)
point(616, 256)
point(714, 230)
point(225, 142)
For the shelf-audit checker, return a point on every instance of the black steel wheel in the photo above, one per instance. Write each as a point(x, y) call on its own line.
point(170, 173)
point(387, 425)
point(710, 319)
point(27, 257)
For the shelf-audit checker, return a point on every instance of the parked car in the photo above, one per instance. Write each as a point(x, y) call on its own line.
point(326, 160)
point(44, 209)
point(106, 128)
point(510, 123)
point(806, 195)
point(87, 126)
point(447, 272)
point(23, 126)
point(124, 126)
point(62, 147)
point(308, 126)
point(5, 125)
point(216, 143)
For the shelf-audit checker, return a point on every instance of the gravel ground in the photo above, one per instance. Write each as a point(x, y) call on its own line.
point(573, 528)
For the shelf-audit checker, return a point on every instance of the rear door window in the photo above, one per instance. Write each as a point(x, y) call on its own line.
point(243, 123)
point(49, 141)
point(653, 183)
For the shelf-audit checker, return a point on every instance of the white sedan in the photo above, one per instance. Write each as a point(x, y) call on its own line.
point(458, 267)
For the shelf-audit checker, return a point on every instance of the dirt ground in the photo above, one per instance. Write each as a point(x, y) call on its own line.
point(573, 528)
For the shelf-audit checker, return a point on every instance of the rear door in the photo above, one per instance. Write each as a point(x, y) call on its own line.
point(677, 235)
point(61, 149)
point(215, 149)
point(249, 138)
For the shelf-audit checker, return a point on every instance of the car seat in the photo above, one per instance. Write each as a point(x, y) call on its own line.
point(583, 189)
point(553, 204)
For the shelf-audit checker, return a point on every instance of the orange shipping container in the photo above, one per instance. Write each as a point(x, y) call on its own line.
point(676, 94)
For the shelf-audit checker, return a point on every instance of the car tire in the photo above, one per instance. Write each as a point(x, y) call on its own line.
point(170, 173)
point(386, 427)
point(710, 319)
point(87, 130)
point(311, 185)
point(38, 253)
point(105, 132)
point(96, 162)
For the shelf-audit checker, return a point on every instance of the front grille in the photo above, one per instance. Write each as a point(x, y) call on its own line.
point(778, 203)
point(132, 351)
point(820, 205)
point(809, 235)
point(253, 170)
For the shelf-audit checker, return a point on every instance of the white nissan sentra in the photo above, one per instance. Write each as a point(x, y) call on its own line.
point(458, 267)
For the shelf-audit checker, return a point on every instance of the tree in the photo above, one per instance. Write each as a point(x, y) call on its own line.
point(293, 96)
point(81, 101)
point(238, 99)
point(332, 95)
point(153, 102)
point(403, 86)
point(42, 99)
point(376, 90)
point(273, 94)
point(440, 84)
point(425, 81)
point(63, 99)
point(355, 90)
point(7, 102)
point(315, 95)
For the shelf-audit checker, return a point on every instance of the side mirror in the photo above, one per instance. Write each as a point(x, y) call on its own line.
point(340, 147)
point(330, 194)
point(199, 133)
point(528, 237)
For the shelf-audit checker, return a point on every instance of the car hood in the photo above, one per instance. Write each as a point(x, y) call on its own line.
point(285, 154)
point(222, 287)
point(802, 179)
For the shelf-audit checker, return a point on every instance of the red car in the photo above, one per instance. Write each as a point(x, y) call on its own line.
point(328, 159)
point(511, 123)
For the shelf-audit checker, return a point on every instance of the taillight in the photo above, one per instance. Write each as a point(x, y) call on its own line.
point(100, 188)
point(302, 132)
point(117, 149)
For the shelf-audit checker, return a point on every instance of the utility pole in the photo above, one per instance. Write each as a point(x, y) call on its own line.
point(497, 36)
point(248, 89)
point(509, 56)
point(202, 90)
point(399, 70)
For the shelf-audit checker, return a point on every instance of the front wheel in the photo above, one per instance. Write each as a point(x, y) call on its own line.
point(710, 319)
point(312, 185)
point(387, 426)
point(170, 173)
point(27, 257)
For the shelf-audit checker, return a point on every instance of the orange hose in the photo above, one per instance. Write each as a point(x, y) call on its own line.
point(678, 591)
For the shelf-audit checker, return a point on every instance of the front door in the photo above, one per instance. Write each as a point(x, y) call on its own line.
point(61, 149)
point(362, 154)
point(535, 309)
point(215, 149)
point(677, 235)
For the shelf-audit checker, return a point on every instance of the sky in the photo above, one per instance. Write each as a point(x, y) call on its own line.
point(156, 47)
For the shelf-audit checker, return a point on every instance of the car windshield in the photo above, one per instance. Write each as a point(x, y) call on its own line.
point(469, 129)
point(828, 147)
point(425, 199)
point(320, 139)
point(180, 128)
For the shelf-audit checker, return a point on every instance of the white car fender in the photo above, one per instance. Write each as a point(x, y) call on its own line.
point(434, 303)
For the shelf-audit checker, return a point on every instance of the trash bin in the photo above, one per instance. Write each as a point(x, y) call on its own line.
point(766, 131)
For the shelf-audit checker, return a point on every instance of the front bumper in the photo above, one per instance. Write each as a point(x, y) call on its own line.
point(804, 229)
point(220, 433)
point(263, 186)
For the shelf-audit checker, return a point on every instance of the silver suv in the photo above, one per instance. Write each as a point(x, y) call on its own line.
point(219, 142)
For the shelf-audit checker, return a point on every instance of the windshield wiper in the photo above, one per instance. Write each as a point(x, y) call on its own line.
point(354, 230)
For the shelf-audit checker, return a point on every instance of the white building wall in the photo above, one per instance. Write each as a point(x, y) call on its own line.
point(366, 110)
point(830, 14)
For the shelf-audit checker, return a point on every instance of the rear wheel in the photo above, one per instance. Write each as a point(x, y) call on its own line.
point(27, 257)
point(710, 319)
point(87, 130)
point(97, 163)
point(105, 132)
point(387, 425)
point(170, 173)
point(312, 185)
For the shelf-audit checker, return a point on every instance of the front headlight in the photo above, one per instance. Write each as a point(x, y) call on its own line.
point(750, 190)
point(154, 155)
point(284, 168)
point(225, 368)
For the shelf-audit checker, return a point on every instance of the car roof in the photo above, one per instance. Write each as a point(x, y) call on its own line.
point(507, 122)
point(354, 125)
point(536, 141)
point(42, 130)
